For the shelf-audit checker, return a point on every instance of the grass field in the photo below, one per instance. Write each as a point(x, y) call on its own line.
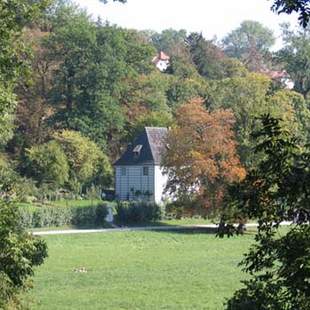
point(139, 270)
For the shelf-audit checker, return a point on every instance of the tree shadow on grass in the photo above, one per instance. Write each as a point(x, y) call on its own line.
point(189, 230)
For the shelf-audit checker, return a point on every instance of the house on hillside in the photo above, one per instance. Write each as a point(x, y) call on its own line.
point(161, 61)
point(281, 76)
point(138, 175)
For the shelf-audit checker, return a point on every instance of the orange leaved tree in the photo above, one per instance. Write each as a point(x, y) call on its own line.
point(201, 158)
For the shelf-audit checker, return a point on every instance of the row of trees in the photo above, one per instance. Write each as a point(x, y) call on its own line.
point(97, 80)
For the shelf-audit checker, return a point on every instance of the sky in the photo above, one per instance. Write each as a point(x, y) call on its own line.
point(211, 17)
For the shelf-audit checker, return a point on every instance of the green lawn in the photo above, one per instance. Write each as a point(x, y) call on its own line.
point(76, 203)
point(139, 270)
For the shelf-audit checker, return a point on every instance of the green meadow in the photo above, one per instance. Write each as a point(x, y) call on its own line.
point(139, 270)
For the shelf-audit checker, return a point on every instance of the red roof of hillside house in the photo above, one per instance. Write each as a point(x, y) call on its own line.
point(281, 76)
point(276, 74)
point(161, 56)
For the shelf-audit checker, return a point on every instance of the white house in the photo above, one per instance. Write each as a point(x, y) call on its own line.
point(161, 61)
point(281, 76)
point(138, 175)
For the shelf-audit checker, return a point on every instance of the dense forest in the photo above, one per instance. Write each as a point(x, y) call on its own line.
point(86, 88)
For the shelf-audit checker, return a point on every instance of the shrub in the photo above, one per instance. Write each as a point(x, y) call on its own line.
point(53, 215)
point(138, 212)
point(20, 252)
point(91, 215)
point(48, 163)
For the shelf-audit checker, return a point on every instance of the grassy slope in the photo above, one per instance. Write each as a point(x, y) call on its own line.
point(139, 270)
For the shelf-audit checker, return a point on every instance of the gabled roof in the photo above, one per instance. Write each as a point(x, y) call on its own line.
point(160, 56)
point(147, 148)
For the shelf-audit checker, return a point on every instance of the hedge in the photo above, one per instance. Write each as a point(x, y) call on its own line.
point(53, 215)
point(138, 212)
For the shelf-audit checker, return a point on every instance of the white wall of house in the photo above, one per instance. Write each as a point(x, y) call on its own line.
point(162, 65)
point(160, 184)
point(130, 179)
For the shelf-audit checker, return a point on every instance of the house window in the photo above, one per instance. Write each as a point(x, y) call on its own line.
point(123, 171)
point(145, 170)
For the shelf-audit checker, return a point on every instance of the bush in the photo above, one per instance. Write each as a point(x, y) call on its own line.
point(91, 215)
point(20, 252)
point(53, 215)
point(138, 212)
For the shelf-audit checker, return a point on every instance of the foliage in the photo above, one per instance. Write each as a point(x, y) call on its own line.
point(48, 164)
point(181, 67)
point(295, 57)
point(61, 215)
point(153, 119)
point(172, 42)
point(86, 160)
point(206, 56)
point(299, 6)
point(182, 90)
point(137, 212)
point(249, 97)
point(95, 62)
point(201, 158)
point(14, 15)
point(250, 42)
point(292, 109)
point(20, 252)
point(277, 190)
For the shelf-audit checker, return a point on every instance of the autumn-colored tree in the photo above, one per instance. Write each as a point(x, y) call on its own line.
point(201, 157)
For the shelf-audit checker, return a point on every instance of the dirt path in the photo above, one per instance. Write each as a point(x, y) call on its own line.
point(126, 229)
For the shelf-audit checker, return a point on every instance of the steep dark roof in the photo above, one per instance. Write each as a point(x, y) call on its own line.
point(147, 148)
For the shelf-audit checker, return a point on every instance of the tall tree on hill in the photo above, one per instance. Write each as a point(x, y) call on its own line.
point(206, 56)
point(295, 56)
point(210, 60)
point(95, 63)
point(14, 16)
point(172, 42)
point(250, 43)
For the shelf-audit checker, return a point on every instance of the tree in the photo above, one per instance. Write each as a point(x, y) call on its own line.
point(302, 7)
point(95, 63)
point(20, 252)
point(295, 57)
point(150, 119)
point(14, 16)
point(182, 90)
point(292, 109)
point(250, 43)
point(48, 164)
point(201, 159)
point(86, 161)
point(206, 56)
point(210, 60)
point(172, 42)
point(276, 190)
point(247, 98)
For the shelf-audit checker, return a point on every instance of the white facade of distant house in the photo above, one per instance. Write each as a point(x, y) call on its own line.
point(145, 182)
point(161, 61)
point(162, 65)
point(288, 83)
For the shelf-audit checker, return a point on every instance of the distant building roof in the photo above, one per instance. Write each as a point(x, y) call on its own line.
point(275, 74)
point(161, 56)
point(147, 148)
